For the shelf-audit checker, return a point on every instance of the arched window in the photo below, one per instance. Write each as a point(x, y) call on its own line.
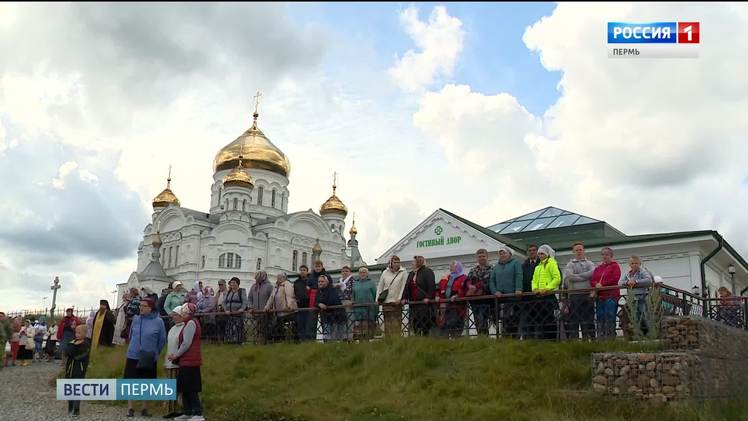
point(259, 263)
point(272, 199)
point(202, 264)
point(220, 194)
point(163, 256)
point(294, 258)
point(171, 250)
point(283, 200)
point(230, 261)
point(176, 257)
point(227, 205)
point(303, 258)
point(259, 195)
point(236, 203)
point(244, 205)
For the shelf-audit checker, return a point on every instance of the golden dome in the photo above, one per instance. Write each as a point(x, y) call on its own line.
point(317, 247)
point(238, 177)
point(333, 204)
point(353, 230)
point(257, 150)
point(166, 197)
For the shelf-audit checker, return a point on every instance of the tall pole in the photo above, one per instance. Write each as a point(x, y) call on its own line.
point(54, 288)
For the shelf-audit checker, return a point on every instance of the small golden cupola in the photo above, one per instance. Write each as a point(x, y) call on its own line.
point(238, 177)
point(166, 197)
point(333, 205)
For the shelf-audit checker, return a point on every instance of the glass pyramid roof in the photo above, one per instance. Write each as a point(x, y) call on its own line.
point(546, 218)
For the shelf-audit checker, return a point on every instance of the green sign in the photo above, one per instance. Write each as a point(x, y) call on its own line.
point(438, 241)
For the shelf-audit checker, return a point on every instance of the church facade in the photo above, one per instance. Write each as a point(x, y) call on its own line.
point(247, 228)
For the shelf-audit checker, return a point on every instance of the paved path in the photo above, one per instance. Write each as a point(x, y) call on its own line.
point(26, 394)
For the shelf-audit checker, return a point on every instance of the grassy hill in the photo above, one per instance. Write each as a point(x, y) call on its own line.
point(417, 379)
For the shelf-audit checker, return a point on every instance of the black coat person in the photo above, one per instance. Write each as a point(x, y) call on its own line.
point(106, 334)
point(421, 285)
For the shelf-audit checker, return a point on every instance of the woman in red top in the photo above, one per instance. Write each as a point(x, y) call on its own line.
point(607, 273)
point(451, 319)
point(189, 359)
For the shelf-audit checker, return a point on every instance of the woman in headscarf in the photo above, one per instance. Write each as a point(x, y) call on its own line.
point(206, 305)
point(452, 314)
point(188, 356)
point(545, 281)
point(89, 324)
point(506, 278)
point(195, 294)
point(206, 302)
point(103, 326)
point(119, 326)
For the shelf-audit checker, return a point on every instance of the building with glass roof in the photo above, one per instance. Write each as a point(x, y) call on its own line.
point(556, 227)
point(685, 260)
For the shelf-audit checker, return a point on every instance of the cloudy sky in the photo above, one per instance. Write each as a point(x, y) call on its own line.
point(487, 110)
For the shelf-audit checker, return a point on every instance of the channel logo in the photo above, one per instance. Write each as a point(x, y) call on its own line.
point(654, 33)
point(116, 389)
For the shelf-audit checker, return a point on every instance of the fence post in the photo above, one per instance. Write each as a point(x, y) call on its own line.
point(686, 311)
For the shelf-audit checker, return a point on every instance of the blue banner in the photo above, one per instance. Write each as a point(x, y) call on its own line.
point(642, 33)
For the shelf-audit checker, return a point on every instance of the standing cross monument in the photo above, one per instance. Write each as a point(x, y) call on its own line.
point(54, 289)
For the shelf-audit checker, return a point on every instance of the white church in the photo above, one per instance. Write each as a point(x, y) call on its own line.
point(247, 228)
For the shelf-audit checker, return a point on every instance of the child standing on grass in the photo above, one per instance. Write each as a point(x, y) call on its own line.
point(77, 352)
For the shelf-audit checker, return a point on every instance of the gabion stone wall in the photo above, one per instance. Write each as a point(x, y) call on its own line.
point(702, 359)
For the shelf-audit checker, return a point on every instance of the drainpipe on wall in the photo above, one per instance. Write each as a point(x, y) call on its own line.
point(702, 265)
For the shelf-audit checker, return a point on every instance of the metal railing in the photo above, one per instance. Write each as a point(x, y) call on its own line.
point(81, 313)
point(562, 315)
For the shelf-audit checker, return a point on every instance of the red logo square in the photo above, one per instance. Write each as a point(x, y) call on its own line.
point(688, 32)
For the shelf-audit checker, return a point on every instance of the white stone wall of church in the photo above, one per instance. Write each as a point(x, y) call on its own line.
point(268, 180)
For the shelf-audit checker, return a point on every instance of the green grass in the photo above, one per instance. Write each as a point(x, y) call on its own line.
point(418, 379)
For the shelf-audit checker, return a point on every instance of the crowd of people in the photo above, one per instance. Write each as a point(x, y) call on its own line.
point(529, 299)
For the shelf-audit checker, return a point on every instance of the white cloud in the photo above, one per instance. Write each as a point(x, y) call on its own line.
point(440, 43)
point(476, 131)
point(647, 145)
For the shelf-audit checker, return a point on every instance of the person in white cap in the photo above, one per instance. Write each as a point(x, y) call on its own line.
point(172, 344)
point(175, 298)
point(189, 358)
